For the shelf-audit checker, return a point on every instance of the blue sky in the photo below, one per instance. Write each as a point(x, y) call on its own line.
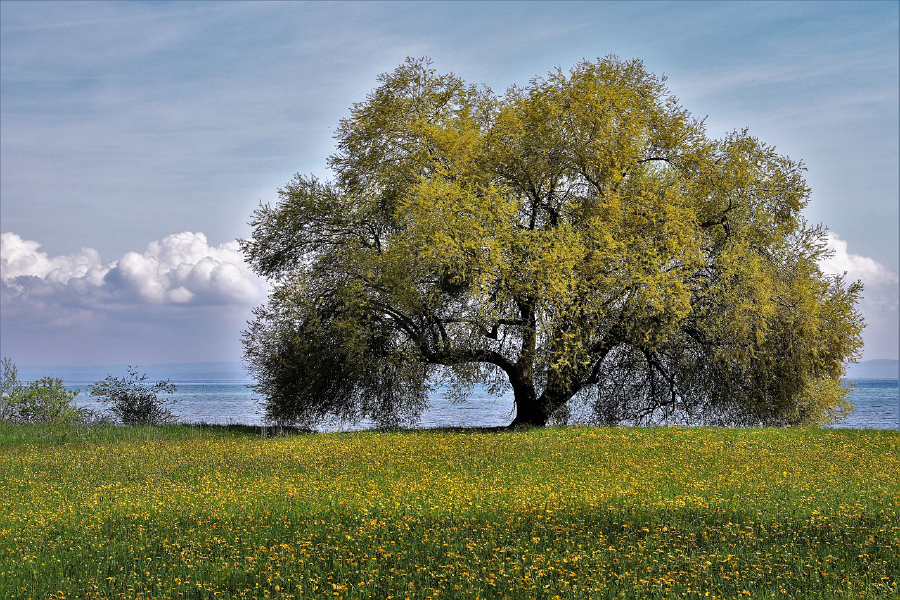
point(137, 138)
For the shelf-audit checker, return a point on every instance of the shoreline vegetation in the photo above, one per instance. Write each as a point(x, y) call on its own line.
point(568, 512)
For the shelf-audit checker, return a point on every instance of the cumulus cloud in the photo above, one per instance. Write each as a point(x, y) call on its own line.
point(181, 269)
point(880, 302)
point(855, 265)
point(20, 257)
point(181, 299)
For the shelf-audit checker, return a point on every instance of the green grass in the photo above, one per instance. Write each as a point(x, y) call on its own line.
point(573, 513)
point(44, 435)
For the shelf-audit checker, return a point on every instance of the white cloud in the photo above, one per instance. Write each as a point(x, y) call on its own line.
point(180, 300)
point(863, 268)
point(181, 269)
point(880, 302)
point(20, 257)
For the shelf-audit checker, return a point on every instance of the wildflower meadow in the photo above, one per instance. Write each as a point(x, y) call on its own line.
point(180, 512)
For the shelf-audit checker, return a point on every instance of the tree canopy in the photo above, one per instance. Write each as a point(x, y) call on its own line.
point(580, 240)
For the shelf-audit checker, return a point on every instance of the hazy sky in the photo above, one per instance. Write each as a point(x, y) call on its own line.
point(137, 138)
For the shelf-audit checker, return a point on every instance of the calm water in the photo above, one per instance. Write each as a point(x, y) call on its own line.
point(876, 406)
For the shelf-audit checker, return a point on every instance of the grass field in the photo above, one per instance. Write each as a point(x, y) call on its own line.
point(571, 513)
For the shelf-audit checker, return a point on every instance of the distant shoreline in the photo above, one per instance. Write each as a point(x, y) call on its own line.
point(220, 371)
point(235, 371)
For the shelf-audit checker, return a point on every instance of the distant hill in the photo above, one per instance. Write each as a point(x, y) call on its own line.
point(867, 369)
point(874, 369)
point(175, 372)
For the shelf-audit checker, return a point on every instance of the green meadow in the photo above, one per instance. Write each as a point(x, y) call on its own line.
point(189, 512)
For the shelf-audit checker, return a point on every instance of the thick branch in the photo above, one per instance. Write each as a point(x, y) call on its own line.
point(449, 357)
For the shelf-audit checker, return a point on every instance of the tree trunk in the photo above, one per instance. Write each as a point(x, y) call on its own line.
point(528, 409)
point(528, 413)
point(535, 411)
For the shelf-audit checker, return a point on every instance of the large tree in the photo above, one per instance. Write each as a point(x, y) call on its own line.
point(579, 240)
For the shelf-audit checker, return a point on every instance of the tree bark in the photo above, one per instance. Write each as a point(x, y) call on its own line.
point(528, 409)
point(535, 411)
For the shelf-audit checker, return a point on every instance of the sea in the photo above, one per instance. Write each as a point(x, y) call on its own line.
point(876, 405)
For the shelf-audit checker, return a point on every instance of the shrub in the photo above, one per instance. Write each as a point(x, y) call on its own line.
point(45, 401)
point(135, 402)
point(9, 385)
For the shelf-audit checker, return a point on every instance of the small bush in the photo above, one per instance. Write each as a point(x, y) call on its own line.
point(9, 385)
point(45, 401)
point(135, 402)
